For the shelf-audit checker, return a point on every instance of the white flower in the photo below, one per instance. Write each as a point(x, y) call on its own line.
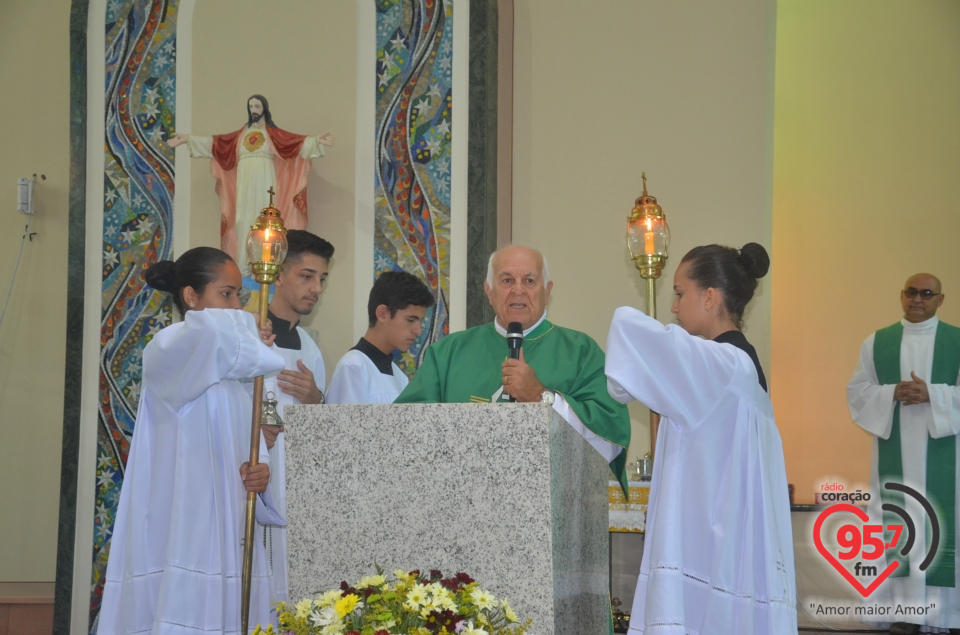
point(324, 617)
point(470, 630)
point(332, 629)
point(482, 599)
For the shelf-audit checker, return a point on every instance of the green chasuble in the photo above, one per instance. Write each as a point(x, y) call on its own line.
point(464, 367)
point(941, 453)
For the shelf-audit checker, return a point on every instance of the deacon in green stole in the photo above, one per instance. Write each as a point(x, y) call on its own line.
point(904, 392)
point(558, 365)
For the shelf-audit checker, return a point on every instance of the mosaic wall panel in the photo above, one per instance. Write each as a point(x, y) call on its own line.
point(138, 176)
point(413, 161)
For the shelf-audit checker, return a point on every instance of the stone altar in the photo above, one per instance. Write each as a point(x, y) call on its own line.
point(508, 493)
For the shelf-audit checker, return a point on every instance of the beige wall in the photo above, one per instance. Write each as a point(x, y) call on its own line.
point(35, 53)
point(304, 61)
point(605, 90)
point(867, 152)
point(866, 187)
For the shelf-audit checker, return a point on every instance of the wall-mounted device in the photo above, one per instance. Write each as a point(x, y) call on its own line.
point(25, 193)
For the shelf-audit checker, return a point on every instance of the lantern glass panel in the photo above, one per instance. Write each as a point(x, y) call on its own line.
point(266, 245)
point(648, 236)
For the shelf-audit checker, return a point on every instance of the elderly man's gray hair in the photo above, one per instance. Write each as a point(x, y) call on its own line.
point(543, 259)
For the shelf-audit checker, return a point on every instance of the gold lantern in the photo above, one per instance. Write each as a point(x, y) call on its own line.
point(648, 238)
point(266, 248)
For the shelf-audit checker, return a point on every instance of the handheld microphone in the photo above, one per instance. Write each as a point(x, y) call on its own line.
point(514, 341)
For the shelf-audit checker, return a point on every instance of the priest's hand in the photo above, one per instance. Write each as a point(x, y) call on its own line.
point(266, 333)
point(519, 380)
point(255, 478)
point(300, 384)
point(912, 392)
point(177, 139)
point(270, 434)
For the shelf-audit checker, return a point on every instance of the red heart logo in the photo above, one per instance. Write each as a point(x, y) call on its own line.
point(862, 515)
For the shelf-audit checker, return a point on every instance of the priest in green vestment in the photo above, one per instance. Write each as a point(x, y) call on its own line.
point(904, 392)
point(557, 365)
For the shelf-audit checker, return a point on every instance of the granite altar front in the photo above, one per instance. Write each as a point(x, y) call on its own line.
point(508, 493)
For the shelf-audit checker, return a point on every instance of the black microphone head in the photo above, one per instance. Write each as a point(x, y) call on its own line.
point(515, 339)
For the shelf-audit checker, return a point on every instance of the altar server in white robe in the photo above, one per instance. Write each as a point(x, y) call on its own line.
point(904, 393)
point(176, 554)
point(296, 293)
point(718, 556)
point(367, 373)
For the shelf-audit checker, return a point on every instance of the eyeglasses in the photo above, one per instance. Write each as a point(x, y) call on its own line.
point(925, 294)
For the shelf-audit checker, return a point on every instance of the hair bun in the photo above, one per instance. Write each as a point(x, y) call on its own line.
point(161, 276)
point(755, 259)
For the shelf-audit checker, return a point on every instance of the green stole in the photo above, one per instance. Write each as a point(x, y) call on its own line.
point(941, 453)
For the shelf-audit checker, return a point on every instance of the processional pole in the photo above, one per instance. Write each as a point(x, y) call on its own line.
point(266, 248)
point(648, 238)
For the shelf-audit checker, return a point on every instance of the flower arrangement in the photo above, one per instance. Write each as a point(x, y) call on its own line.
point(414, 603)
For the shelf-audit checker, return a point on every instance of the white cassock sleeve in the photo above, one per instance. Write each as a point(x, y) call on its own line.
point(670, 371)
point(945, 410)
point(213, 345)
point(350, 383)
point(871, 405)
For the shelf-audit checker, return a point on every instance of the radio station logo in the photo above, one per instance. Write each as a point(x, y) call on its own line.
point(863, 543)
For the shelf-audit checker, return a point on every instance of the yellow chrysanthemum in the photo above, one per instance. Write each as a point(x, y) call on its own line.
point(481, 599)
point(369, 581)
point(417, 596)
point(345, 605)
point(303, 608)
point(445, 602)
point(403, 576)
point(508, 611)
point(328, 598)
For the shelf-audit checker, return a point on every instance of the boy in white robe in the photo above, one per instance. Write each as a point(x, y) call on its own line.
point(367, 374)
point(177, 549)
point(718, 558)
point(296, 292)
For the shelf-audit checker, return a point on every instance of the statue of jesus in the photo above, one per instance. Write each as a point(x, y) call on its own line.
point(250, 161)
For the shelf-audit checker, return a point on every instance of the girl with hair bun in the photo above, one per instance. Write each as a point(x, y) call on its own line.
point(718, 555)
point(176, 553)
